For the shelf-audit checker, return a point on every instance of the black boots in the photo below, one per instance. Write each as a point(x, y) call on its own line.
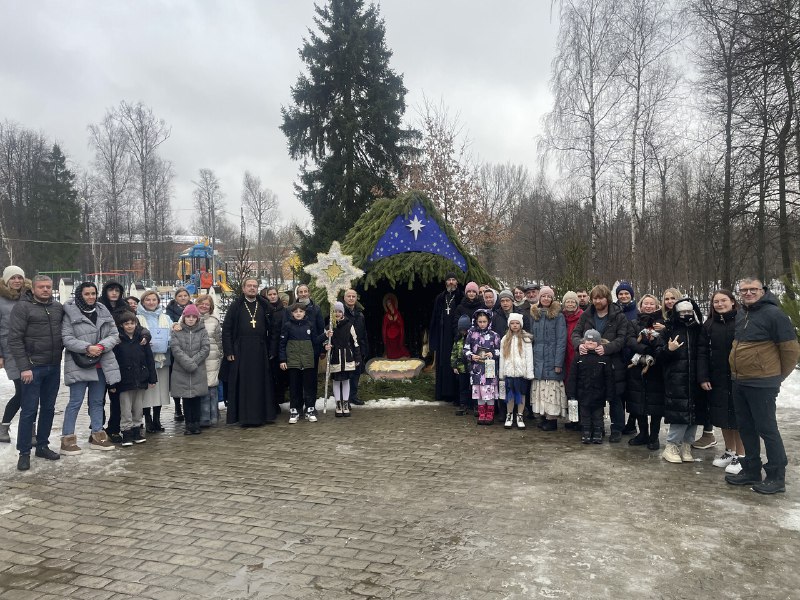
point(148, 423)
point(178, 410)
point(586, 436)
point(597, 435)
point(774, 483)
point(750, 473)
point(549, 425)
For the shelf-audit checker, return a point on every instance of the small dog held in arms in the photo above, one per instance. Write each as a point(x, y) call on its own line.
point(647, 333)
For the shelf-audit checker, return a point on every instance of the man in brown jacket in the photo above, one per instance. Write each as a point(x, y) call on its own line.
point(764, 353)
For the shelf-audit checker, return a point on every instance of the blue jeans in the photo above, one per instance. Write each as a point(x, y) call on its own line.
point(97, 393)
point(42, 391)
point(209, 407)
point(680, 433)
point(755, 416)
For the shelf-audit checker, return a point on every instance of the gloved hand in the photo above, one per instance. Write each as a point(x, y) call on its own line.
point(648, 360)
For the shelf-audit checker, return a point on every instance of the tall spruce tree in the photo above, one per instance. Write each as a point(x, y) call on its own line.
point(345, 121)
point(54, 213)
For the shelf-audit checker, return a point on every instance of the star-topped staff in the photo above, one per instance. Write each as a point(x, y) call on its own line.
point(334, 272)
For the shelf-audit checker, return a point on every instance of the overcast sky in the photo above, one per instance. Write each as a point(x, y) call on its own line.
point(218, 72)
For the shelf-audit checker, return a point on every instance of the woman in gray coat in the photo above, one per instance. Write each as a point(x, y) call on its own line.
point(89, 334)
point(12, 286)
point(190, 348)
point(549, 329)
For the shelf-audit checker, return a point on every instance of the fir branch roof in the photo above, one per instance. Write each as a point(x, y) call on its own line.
point(408, 267)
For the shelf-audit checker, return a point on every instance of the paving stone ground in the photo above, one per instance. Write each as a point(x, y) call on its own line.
point(398, 503)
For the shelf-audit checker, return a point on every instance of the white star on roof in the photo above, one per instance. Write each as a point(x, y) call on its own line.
point(415, 225)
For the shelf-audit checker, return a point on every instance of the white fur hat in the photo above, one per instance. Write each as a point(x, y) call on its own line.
point(515, 317)
point(10, 271)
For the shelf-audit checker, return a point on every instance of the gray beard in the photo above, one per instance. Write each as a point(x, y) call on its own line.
point(305, 301)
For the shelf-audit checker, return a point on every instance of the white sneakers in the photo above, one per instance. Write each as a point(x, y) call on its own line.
point(724, 460)
point(509, 420)
point(294, 416)
point(686, 452)
point(520, 422)
point(735, 467)
point(672, 453)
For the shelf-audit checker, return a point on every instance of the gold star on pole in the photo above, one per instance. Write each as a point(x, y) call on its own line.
point(333, 271)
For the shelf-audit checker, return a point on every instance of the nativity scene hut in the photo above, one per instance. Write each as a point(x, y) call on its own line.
point(406, 249)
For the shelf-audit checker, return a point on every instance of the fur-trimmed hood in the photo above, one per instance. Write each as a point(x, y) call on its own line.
point(552, 311)
point(9, 294)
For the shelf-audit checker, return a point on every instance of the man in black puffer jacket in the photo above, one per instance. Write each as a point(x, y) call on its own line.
point(34, 338)
point(607, 318)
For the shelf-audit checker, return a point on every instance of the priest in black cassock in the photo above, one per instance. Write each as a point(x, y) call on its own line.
point(246, 343)
point(441, 336)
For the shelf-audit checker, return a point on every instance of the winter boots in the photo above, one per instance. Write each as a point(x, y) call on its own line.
point(69, 446)
point(586, 436)
point(345, 408)
point(489, 414)
point(127, 437)
point(549, 425)
point(178, 410)
point(774, 483)
point(509, 420)
point(707, 440)
point(597, 435)
point(749, 475)
point(520, 420)
point(100, 441)
point(4, 436)
point(148, 423)
point(686, 453)
point(481, 414)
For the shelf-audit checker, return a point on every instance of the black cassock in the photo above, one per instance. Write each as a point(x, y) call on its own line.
point(249, 382)
point(441, 336)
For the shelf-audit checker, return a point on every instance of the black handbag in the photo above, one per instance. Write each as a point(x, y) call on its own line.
point(84, 361)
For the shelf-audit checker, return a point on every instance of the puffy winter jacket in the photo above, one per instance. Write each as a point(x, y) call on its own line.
point(190, 348)
point(78, 333)
point(519, 362)
point(591, 380)
point(684, 399)
point(9, 299)
point(765, 348)
point(713, 351)
point(299, 340)
point(214, 360)
point(136, 365)
point(644, 393)
point(549, 341)
point(34, 333)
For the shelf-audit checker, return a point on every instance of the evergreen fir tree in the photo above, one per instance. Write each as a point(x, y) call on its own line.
point(790, 301)
point(345, 121)
point(54, 214)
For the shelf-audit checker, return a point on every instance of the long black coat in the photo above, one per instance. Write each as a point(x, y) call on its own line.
point(716, 340)
point(684, 399)
point(442, 333)
point(644, 394)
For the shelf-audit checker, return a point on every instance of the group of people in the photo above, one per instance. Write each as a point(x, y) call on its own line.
point(523, 350)
point(134, 356)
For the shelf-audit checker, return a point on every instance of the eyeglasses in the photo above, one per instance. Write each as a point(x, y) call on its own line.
point(744, 291)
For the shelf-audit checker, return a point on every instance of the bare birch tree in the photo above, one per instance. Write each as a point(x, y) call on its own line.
point(261, 205)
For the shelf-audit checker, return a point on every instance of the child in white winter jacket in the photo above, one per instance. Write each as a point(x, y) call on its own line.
point(516, 368)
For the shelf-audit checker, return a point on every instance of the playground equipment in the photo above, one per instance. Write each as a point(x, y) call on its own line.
point(195, 268)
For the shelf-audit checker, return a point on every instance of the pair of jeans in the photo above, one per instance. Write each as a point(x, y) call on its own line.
point(755, 416)
point(12, 408)
point(681, 433)
point(209, 407)
point(38, 396)
point(77, 390)
point(616, 411)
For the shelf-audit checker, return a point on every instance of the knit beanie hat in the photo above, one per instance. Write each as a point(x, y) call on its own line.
point(10, 271)
point(570, 295)
point(464, 323)
point(472, 286)
point(625, 286)
point(515, 317)
point(546, 289)
point(505, 294)
point(684, 305)
point(191, 310)
point(592, 335)
point(338, 306)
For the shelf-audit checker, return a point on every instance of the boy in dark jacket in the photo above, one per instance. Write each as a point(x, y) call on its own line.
point(591, 382)
point(138, 372)
point(298, 347)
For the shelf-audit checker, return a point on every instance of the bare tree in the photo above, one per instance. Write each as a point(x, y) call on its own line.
point(261, 205)
point(112, 174)
point(209, 202)
point(145, 133)
point(582, 129)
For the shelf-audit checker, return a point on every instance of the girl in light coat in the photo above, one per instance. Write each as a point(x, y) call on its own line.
point(190, 348)
point(151, 316)
point(516, 368)
point(209, 404)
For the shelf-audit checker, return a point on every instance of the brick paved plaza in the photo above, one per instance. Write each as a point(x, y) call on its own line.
point(407, 502)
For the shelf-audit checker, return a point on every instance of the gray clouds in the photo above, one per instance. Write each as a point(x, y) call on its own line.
point(218, 73)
